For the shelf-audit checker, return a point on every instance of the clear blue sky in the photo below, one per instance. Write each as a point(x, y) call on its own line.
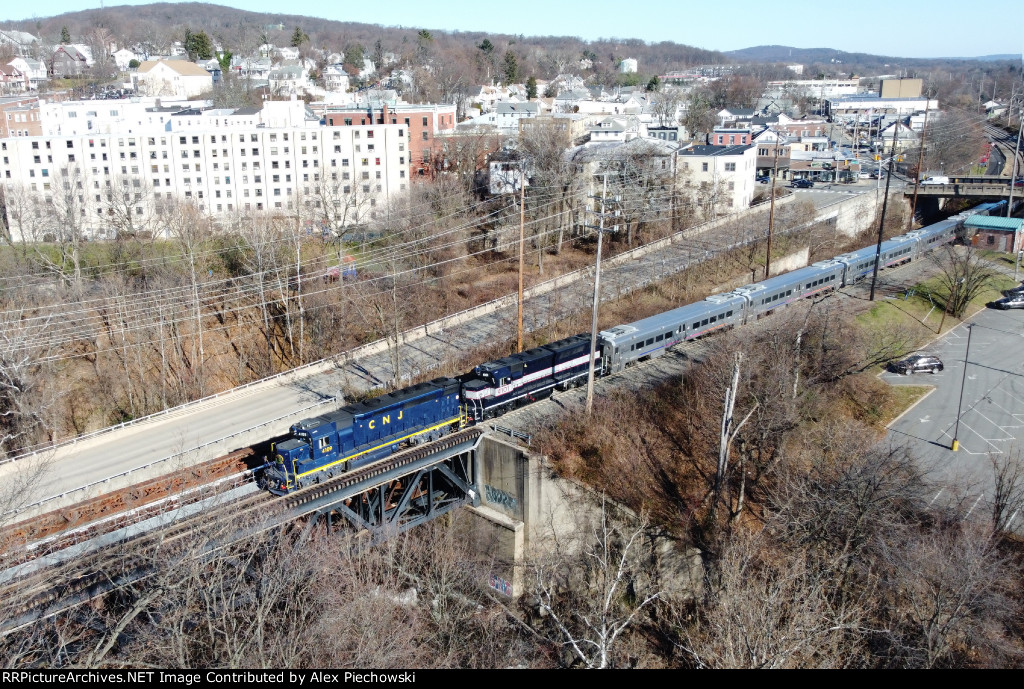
point(921, 28)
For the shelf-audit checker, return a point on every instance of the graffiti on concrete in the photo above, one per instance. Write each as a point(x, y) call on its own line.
point(500, 585)
point(497, 496)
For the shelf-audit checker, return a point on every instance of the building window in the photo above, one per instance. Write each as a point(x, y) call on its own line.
point(730, 167)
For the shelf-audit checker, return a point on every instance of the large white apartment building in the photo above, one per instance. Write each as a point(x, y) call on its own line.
point(222, 161)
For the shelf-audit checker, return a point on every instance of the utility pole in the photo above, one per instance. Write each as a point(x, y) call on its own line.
point(675, 191)
point(522, 233)
point(597, 295)
point(920, 162)
point(771, 207)
point(1013, 174)
point(885, 202)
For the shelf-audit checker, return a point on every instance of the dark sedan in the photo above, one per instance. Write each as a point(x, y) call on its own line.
point(1014, 301)
point(917, 363)
point(1014, 291)
point(803, 183)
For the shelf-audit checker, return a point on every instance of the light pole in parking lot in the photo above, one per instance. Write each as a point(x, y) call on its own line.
point(956, 431)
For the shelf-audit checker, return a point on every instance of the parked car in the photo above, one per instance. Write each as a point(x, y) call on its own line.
point(916, 363)
point(1013, 301)
point(1019, 289)
point(763, 179)
point(803, 183)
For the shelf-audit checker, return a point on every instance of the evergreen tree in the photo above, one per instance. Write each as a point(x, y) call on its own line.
point(511, 68)
point(197, 45)
point(531, 88)
point(354, 55)
point(65, 35)
point(298, 37)
point(224, 60)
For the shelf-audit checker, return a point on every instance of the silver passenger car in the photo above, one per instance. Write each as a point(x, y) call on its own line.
point(650, 337)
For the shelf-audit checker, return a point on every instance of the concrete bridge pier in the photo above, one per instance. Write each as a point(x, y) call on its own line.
point(526, 510)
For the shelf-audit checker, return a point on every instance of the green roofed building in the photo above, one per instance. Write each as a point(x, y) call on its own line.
point(998, 234)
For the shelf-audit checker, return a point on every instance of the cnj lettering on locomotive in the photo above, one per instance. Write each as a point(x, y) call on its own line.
point(385, 420)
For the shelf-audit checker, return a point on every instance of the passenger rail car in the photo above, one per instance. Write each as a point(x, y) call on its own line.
point(326, 445)
point(770, 294)
point(650, 337)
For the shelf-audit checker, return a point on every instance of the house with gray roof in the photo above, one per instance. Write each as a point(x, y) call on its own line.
point(21, 42)
point(508, 115)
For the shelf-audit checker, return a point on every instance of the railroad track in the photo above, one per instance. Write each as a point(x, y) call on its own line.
point(46, 591)
point(58, 529)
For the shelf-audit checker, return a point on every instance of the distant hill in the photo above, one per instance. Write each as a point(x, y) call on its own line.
point(156, 25)
point(785, 53)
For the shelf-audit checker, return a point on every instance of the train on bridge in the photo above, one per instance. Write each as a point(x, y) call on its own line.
point(324, 446)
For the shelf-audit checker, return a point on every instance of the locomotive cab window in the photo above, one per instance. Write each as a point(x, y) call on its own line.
point(323, 442)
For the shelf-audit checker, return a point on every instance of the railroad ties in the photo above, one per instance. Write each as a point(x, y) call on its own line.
point(383, 498)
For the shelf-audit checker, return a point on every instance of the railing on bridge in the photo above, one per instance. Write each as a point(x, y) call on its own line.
point(428, 483)
point(981, 186)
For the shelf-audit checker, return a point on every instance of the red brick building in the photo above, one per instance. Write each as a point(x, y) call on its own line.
point(19, 116)
point(424, 122)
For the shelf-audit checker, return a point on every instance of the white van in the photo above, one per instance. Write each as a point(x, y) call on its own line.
point(935, 180)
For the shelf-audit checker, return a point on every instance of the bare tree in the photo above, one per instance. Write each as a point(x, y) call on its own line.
point(947, 590)
point(1008, 490)
point(591, 601)
point(965, 275)
point(190, 228)
point(26, 401)
point(554, 172)
point(768, 610)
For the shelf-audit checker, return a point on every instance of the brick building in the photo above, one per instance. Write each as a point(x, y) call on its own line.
point(425, 124)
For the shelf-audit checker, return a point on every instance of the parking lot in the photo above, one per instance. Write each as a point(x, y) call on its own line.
point(991, 417)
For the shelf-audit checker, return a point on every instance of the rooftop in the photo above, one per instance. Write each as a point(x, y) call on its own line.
point(988, 222)
point(703, 150)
